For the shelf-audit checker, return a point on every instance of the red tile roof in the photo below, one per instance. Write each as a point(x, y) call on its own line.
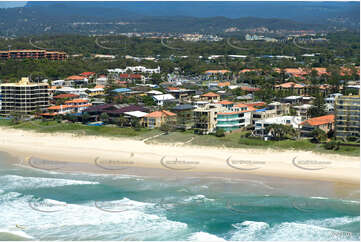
point(250, 89)
point(320, 120)
point(289, 85)
point(66, 96)
point(225, 102)
point(210, 94)
point(224, 84)
point(75, 78)
point(77, 101)
point(158, 114)
point(216, 71)
point(132, 76)
point(87, 74)
point(59, 107)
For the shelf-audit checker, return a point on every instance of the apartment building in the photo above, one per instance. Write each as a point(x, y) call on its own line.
point(235, 117)
point(32, 54)
point(205, 118)
point(23, 97)
point(347, 121)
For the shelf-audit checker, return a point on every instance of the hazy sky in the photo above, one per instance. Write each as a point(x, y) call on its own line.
point(9, 4)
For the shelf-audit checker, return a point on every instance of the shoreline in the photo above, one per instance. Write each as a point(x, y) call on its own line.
point(116, 155)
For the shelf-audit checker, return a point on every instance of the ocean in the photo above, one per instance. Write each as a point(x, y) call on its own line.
point(38, 204)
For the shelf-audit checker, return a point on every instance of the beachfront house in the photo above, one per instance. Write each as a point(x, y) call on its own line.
point(158, 118)
point(261, 125)
point(326, 123)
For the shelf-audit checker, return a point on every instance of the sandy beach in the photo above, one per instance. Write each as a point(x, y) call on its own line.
point(116, 154)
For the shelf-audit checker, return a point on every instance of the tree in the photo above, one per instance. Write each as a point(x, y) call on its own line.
point(15, 117)
point(318, 109)
point(318, 135)
point(85, 117)
point(104, 117)
point(220, 133)
point(280, 131)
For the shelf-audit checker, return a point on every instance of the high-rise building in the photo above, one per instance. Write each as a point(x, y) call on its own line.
point(347, 122)
point(23, 97)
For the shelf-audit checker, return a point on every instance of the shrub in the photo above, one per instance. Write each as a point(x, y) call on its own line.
point(332, 145)
point(220, 133)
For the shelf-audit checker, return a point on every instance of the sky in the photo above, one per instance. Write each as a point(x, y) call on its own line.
point(9, 4)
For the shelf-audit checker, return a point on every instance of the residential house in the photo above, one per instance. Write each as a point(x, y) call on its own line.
point(101, 80)
point(93, 92)
point(264, 113)
point(325, 123)
point(137, 115)
point(78, 105)
point(132, 78)
point(303, 110)
point(158, 118)
point(291, 87)
point(162, 99)
point(292, 99)
point(77, 80)
point(261, 125)
point(113, 110)
point(211, 97)
point(281, 108)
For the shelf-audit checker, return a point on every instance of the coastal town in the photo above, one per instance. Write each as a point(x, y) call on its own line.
point(216, 102)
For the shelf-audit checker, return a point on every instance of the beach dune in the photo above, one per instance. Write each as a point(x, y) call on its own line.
point(115, 153)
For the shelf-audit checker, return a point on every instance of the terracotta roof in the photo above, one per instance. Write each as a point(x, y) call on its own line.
point(173, 88)
point(49, 114)
point(59, 107)
point(225, 102)
point(224, 84)
point(66, 96)
point(216, 71)
point(290, 85)
point(249, 70)
point(89, 73)
point(77, 101)
point(210, 94)
point(99, 86)
point(320, 120)
point(255, 104)
point(250, 89)
point(158, 114)
point(236, 112)
point(240, 105)
point(133, 76)
point(75, 78)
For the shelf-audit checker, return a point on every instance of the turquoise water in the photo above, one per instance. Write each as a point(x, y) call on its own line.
point(43, 205)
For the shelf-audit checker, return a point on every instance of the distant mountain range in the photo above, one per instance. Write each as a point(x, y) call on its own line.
point(207, 17)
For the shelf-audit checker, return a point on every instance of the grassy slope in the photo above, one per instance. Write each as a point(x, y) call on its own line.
point(232, 140)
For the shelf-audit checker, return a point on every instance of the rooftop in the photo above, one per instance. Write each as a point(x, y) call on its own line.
point(320, 120)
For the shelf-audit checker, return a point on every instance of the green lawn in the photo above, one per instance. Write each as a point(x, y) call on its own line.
point(232, 140)
point(75, 128)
